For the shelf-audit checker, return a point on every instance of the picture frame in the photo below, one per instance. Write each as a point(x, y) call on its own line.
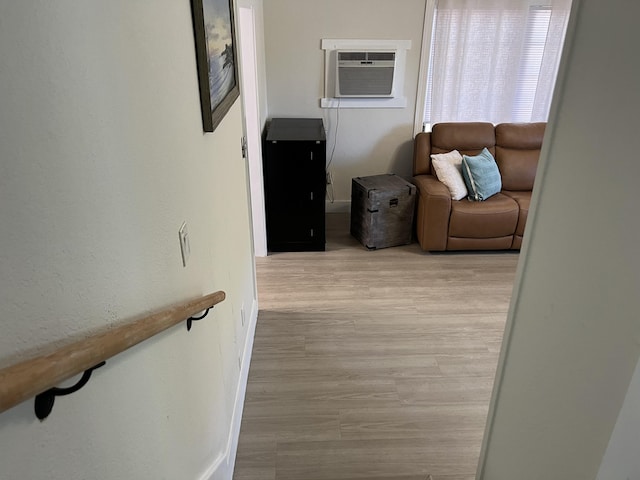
point(216, 56)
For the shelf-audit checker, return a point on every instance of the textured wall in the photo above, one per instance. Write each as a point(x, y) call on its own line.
point(102, 157)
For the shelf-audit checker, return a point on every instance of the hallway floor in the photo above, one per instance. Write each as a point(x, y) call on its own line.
point(372, 364)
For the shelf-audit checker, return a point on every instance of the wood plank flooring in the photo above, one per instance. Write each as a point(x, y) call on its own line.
point(372, 364)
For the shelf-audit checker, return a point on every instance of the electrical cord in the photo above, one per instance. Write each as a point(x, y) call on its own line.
point(330, 192)
point(335, 134)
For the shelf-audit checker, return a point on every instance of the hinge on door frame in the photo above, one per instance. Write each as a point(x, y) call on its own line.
point(243, 146)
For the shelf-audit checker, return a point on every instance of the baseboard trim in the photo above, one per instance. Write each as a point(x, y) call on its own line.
point(338, 206)
point(222, 467)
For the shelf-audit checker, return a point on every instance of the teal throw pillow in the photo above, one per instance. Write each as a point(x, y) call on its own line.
point(481, 175)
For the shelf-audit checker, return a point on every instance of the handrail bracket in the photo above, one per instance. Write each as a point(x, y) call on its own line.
point(190, 320)
point(44, 401)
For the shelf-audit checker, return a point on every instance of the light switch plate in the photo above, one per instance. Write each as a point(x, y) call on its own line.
point(185, 248)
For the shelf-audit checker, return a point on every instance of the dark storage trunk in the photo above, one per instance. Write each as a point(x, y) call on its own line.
point(382, 210)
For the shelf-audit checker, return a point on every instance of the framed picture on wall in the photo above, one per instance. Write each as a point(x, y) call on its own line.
point(214, 30)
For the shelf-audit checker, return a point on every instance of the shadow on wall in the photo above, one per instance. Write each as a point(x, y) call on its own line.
point(401, 159)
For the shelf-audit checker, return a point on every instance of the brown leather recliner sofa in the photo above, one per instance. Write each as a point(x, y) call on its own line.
point(496, 223)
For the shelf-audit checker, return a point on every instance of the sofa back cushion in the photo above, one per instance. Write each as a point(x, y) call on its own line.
point(469, 138)
point(517, 152)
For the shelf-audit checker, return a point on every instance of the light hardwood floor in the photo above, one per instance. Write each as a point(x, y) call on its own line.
point(372, 364)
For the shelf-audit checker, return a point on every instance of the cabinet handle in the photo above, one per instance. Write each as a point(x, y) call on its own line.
point(311, 155)
point(311, 195)
point(312, 232)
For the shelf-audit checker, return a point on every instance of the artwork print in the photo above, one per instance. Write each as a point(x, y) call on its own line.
point(215, 51)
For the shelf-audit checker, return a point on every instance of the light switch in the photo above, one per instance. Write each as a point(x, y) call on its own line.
point(185, 248)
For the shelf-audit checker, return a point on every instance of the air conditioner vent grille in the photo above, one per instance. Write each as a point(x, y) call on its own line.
point(364, 82)
point(352, 56)
point(388, 56)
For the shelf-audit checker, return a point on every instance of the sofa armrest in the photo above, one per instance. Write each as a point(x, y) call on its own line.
point(434, 210)
point(421, 154)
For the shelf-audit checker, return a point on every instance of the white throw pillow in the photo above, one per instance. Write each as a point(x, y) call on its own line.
point(448, 167)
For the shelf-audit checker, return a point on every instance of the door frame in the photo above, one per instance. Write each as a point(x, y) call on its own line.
point(251, 118)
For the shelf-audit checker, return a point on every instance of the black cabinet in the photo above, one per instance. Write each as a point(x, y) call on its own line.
point(294, 184)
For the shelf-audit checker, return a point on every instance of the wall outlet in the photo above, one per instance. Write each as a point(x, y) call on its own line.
point(185, 247)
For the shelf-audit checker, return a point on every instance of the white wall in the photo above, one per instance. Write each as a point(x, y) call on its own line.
point(102, 157)
point(573, 334)
point(370, 141)
point(622, 458)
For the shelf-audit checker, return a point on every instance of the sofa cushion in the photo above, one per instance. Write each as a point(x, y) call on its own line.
point(448, 170)
point(466, 137)
point(495, 217)
point(518, 168)
point(469, 138)
point(481, 175)
point(523, 199)
point(517, 151)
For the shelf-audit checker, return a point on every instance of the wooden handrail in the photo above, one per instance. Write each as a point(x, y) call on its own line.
point(29, 378)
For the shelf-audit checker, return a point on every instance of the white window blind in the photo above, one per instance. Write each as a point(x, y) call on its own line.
point(535, 40)
point(494, 60)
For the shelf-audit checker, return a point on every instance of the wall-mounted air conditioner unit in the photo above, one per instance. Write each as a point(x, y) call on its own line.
point(365, 73)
